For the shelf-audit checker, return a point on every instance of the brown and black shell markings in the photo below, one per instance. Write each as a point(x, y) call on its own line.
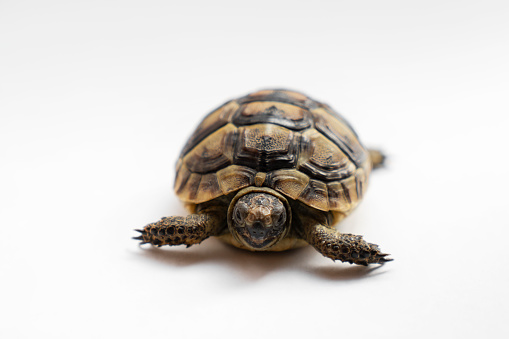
point(278, 139)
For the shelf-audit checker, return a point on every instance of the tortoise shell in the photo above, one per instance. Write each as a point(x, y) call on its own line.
point(278, 139)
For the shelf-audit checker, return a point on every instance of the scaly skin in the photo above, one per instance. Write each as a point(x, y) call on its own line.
point(189, 230)
point(335, 245)
point(345, 247)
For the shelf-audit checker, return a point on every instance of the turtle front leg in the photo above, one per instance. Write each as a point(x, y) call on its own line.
point(189, 230)
point(338, 246)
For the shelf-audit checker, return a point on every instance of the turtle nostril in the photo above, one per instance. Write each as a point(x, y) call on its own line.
point(257, 230)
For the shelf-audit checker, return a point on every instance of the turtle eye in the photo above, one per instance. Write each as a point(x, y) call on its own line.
point(239, 213)
point(238, 216)
point(281, 218)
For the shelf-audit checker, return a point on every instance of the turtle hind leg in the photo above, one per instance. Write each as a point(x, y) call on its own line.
point(377, 158)
point(338, 246)
point(189, 230)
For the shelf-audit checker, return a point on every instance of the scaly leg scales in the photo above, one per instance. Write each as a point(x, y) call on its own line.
point(189, 230)
point(345, 247)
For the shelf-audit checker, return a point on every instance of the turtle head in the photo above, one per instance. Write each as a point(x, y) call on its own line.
point(259, 218)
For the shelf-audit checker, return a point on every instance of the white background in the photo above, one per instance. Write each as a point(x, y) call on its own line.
point(98, 97)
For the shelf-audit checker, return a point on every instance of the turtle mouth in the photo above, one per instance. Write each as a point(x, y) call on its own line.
point(257, 236)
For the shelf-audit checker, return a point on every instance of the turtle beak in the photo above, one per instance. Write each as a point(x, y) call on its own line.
point(258, 236)
point(257, 231)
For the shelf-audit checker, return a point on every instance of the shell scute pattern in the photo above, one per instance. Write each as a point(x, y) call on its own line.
point(266, 147)
point(341, 135)
point(213, 153)
point(234, 178)
point(283, 114)
point(315, 194)
point(283, 96)
point(326, 161)
point(279, 139)
point(289, 182)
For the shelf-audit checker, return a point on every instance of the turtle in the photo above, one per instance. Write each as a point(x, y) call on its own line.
point(272, 171)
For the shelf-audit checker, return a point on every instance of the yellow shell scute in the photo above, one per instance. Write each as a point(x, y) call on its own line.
point(233, 178)
point(290, 182)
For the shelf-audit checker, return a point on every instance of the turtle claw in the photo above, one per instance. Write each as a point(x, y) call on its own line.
point(174, 231)
point(382, 258)
point(140, 237)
